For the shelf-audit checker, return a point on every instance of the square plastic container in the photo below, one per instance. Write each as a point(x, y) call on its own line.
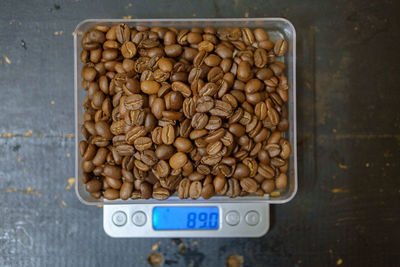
point(276, 28)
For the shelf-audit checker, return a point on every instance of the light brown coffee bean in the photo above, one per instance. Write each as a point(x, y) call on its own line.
point(111, 194)
point(195, 190)
point(207, 191)
point(280, 47)
point(281, 181)
point(214, 148)
point(126, 190)
point(268, 186)
point(260, 58)
point(182, 88)
point(249, 185)
point(237, 129)
point(260, 110)
point(183, 145)
point(165, 64)
point(233, 189)
point(214, 123)
point(183, 189)
point(160, 193)
point(100, 157)
point(128, 50)
point(285, 152)
point(143, 143)
point(93, 186)
point(219, 183)
point(178, 160)
point(113, 183)
point(112, 171)
point(146, 190)
point(241, 171)
point(162, 169)
point(150, 87)
point(197, 133)
point(168, 135)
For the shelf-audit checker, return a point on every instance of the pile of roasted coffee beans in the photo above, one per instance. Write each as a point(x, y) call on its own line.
point(195, 111)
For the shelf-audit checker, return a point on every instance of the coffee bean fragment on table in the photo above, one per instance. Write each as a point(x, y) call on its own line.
point(196, 113)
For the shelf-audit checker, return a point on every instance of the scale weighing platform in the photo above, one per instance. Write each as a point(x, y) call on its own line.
point(188, 220)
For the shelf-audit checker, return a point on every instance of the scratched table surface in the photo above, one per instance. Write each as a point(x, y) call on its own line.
point(347, 210)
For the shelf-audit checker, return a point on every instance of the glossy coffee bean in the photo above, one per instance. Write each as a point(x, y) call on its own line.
point(178, 160)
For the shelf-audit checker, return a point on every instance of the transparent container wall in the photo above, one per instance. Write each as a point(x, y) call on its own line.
point(276, 27)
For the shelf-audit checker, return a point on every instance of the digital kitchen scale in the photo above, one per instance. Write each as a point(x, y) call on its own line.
point(220, 216)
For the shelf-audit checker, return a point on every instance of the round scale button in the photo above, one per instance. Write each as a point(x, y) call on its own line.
point(232, 218)
point(119, 218)
point(139, 218)
point(252, 218)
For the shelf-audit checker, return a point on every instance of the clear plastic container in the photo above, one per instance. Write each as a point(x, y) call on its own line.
point(276, 28)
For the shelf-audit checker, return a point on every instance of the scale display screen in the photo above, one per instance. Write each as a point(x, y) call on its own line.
point(185, 218)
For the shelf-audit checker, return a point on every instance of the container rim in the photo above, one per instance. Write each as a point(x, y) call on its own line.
point(266, 199)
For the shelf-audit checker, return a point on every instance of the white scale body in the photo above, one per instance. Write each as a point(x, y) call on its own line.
point(234, 220)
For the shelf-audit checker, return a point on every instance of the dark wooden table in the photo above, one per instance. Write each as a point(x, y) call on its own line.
point(347, 209)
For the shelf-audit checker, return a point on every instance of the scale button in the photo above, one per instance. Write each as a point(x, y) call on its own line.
point(232, 217)
point(252, 218)
point(139, 218)
point(119, 218)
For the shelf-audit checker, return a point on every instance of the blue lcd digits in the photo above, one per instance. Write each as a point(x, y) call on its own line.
point(185, 218)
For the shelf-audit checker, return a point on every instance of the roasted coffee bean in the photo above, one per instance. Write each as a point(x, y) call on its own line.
point(197, 133)
point(241, 171)
point(204, 104)
point(244, 73)
point(183, 189)
point(281, 181)
point(160, 193)
point(219, 183)
point(112, 171)
point(214, 123)
point(149, 87)
point(195, 190)
point(143, 143)
point(93, 186)
point(178, 160)
point(274, 138)
point(100, 157)
point(199, 120)
point(233, 188)
point(221, 109)
point(249, 185)
point(280, 47)
point(260, 58)
point(268, 186)
point(122, 33)
point(182, 88)
point(214, 148)
point(285, 146)
point(164, 152)
point(126, 190)
point(162, 169)
point(111, 194)
point(146, 190)
point(168, 135)
point(183, 145)
point(237, 129)
point(173, 100)
point(113, 183)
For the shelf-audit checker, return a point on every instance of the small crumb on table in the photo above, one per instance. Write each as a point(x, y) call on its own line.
point(234, 260)
point(155, 259)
